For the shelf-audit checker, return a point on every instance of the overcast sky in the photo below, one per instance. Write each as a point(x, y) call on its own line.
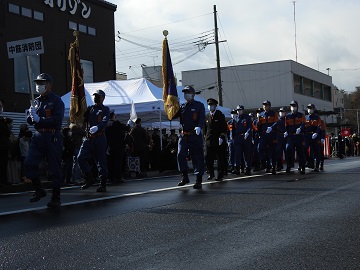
point(327, 34)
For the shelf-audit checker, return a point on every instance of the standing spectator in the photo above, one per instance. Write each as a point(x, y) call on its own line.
point(115, 137)
point(46, 116)
point(141, 147)
point(4, 148)
point(67, 156)
point(94, 146)
point(156, 149)
point(77, 135)
point(13, 154)
point(24, 145)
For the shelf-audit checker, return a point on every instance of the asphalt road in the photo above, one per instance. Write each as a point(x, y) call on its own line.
point(294, 221)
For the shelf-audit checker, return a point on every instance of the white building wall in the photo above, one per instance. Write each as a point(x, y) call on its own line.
point(250, 85)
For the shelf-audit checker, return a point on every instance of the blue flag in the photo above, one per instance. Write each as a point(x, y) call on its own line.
point(170, 96)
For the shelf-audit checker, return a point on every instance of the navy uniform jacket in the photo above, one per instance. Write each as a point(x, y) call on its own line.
point(313, 124)
point(97, 115)
point(294, 121)
point(192, 114)
point(50, 108)
point(243, 125)
point(215, 128)
point(267, 119)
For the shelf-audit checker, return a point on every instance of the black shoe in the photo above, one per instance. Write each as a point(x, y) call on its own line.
point(248, 172)
point(86, 185)
point(321, 168)
point(316, 169)
point(197, 185)
point(101, 188)
point(302, 171)
point(273, 171)
point(183, 182)
point(210, 177)
point(288, 169)
point(220, 177)
point(40, 193)
point(54, 203)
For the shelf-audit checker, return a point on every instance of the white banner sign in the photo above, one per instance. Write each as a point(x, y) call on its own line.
point(25, 47)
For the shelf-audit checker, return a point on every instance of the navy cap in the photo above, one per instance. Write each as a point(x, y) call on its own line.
point(281, 109)
point(266, 102)
point(311, 106)
point(259, 110)
point(43, 77)
point(294, 103)
point(99, 92)
point(234, 111)
point(189, 88)
point(239, 107)
point(212, 101)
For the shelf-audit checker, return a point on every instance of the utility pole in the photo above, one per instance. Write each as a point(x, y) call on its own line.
point(296, 56)
point(218, 58)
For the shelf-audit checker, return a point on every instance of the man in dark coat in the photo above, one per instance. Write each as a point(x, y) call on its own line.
point(215, 132)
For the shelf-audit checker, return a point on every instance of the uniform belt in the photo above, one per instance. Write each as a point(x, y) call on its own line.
point(188, 133)
point(96, 134)
point(46, 130)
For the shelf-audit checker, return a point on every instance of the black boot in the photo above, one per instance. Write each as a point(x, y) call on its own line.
point(39, 191)
point(321, 165)
point(220, 176)
point(273, 170)
point(102, 186)
point(55, 199)
point(302, 169)
point(90, 180)
point(248, 171)
point(185, 179)
point(211, 175)
point(198, 182)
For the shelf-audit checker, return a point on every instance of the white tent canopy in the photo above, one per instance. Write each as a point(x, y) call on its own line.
point(146, 96)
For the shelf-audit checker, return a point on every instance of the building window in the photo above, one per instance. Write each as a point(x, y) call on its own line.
point(92, 31)
point(21, 72)
point(26, 12)
point(88, 68)
point(38, 16)
point(14, 9)
point(83, 28)
point(72, 25)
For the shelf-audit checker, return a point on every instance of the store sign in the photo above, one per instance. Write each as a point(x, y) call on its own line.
point(25, 47)
point(72, 5)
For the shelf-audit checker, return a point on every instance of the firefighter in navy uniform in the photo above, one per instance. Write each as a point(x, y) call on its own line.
point(295, 125)
point(281, 140)
point(242, 141)
point(46, 115)
point(215, 141)
point(231, 125)
point(192, 121)
point(94, 145)
point(313, 137)
point(268, 135)
point(256, 139)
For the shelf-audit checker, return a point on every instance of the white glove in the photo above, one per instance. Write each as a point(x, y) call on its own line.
point(322, 141)
point(298, 130)
point(197, 130)
point(286, 134)
point(32, 111)
point(269, 129)
point(93, 129)
point(246, 135)
point(314, 136)
point(129, 122)
point(35, 118)
point(220, 141)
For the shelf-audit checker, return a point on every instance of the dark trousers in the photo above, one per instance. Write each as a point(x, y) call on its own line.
point(3, 165)
point(217, 153)
point(48, 145)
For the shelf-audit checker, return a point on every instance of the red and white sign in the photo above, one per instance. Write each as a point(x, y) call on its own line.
point(345, 132)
